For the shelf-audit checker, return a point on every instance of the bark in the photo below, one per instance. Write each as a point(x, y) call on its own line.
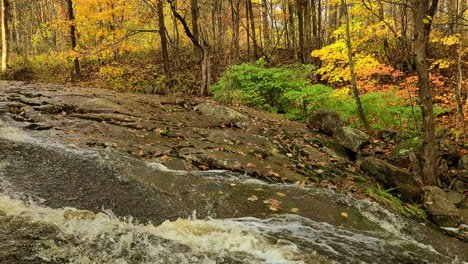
point(5, 40)
point(195, 27)
point(423, 13)
point(252, 28)
point(361, 114)
point(300, 18)
point(162, 34)
point(76, 74)
point(265, 25)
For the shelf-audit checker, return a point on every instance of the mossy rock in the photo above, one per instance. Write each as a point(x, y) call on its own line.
point(400, 155)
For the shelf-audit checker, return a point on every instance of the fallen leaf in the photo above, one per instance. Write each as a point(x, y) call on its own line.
point(221, 192)
point(273, 173)
point(280, 194)
point(141, 153)
point(258, 189)
point(319, 171)
point(233, 184)
point(251, 165)
point(344, 214)
point(203, 167)
point(294, 210)
point(252, 198)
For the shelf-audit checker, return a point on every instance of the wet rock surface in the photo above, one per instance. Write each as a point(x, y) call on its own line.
point(178, 133)
point(392, 177)
point(440, 208)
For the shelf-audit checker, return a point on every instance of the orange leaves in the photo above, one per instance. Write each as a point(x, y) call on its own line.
point(273, 205)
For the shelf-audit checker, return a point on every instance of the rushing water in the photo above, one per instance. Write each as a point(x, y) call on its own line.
point(33, 232)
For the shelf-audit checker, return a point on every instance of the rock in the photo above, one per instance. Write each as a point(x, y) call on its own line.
point(351, 138)
point(464, 204)
point(455, 197)
point(386, 135)
point(391, 176)
point(463, 162)
point(221, 112)
point(464, 216)
point(326, 121)
point(400, 154)
point(440, 208)
point(460, 186)
point(463, 176)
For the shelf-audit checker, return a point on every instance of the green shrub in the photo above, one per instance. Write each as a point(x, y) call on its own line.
point(254, 85)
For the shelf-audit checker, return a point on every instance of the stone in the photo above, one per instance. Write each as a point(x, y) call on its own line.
point(326, 121)
point(351, 138)
point(386, 135)
point(460, 186)
point(463, 162)
point(229, 115)
point(400, 154)
point(464, 216)
point(440, 208)
point(463, 176)
point(464, 204)
point(455, 197)
point(391, 176)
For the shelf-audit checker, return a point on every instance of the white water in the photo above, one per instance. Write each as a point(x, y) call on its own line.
point(103, 238)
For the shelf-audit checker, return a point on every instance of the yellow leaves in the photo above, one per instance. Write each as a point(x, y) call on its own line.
point(252, 198)
point(294, 210)
point(344, 214)
point(273, 205)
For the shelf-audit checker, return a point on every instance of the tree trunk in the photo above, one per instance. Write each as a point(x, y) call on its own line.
point(76, 74)
point(252, 28)
point(195, 29)
point(265, 25)
point(361, 114)
point(203, 48)
point(423, 13)
point(5, 40)
point(300, 18)
point(162, 34)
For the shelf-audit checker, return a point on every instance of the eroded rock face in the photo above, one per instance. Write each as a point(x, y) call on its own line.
point(224, 113)
point(440, 208)
point(326, 121)
point(392, 177)
point(351, 138)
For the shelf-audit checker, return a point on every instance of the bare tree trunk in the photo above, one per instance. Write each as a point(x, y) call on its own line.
point(300, 18)
point(458, 91)
point(361, 114)
point(5, 40)
point(252, 28)
point(293, 29)
point(162, 34)
point(235, 8)
point(423, 13)
point(204, 49)
point(266, 25)
point(195, 13)
point(71, 17)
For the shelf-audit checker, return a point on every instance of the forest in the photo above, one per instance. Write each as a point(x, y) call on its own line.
point(234, 131)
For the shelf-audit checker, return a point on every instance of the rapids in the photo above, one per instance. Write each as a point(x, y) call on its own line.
point(62, 204)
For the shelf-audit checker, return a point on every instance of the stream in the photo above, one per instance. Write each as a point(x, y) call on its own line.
point(63, 204)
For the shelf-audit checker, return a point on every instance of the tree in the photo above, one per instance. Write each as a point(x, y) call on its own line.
point(71, 19)
point(423, 15)
point(5, 38)
point(361, 114)
point(162, 34)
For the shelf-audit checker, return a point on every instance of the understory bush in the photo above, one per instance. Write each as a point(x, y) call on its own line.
point(288, 91)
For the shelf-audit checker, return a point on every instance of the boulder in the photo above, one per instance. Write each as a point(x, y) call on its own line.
point(400, 154)
point(387, 135)
point(229, 115)
point(464, 216)
point(326, 121)
point(391, 176)
point(463, 176)
point(440, 208)
point(351, 138)
point(455, 197)
point(463, 162)
point(460, 186)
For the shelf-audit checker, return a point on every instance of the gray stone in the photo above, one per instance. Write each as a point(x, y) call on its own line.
point(391, 176)
point(463, 162)
point(464, 204)
point(440, 208)
point(386, 135)
point(460, 186)
point(400, 154)
point(455, 197)
point(351, 138)
point(463, 176)
point(326, 121)
point(464, 216)
point(221, 112)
